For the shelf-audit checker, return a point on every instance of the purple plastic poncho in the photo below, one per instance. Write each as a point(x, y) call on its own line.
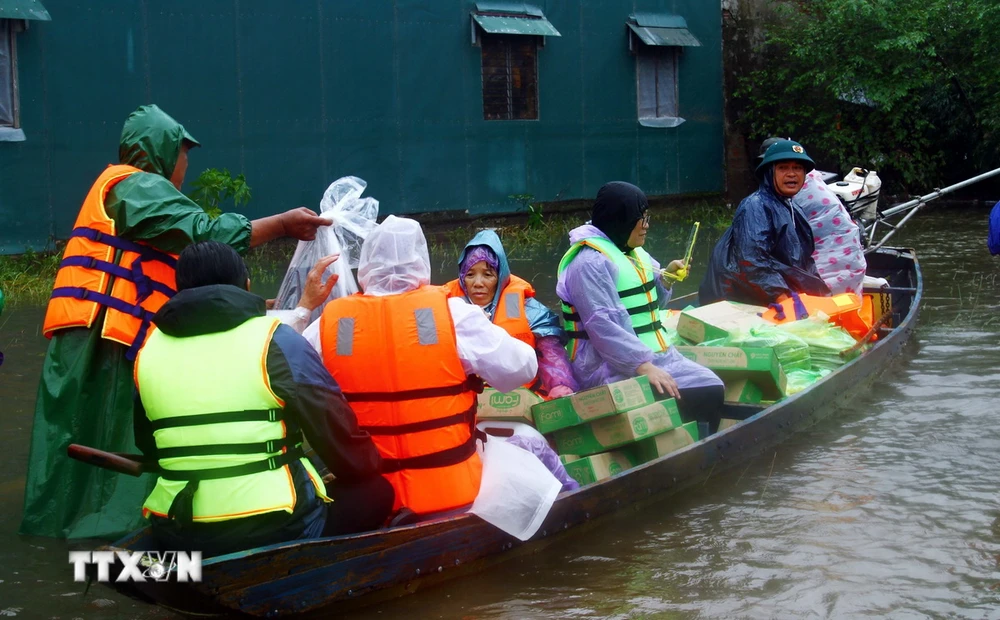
point(613, 351)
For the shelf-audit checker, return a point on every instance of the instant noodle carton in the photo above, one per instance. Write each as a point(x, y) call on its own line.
point(759, 365)
point(718, 320)
point(617, 430)
point(663, 444)
point(592, 404)
point(599, 466)
point(512, 406)
point(743, 390)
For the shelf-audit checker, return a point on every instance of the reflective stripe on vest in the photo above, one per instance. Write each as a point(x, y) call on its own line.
point(396, 360)
point(216, 421)
point(99, 269)
point(636, 286)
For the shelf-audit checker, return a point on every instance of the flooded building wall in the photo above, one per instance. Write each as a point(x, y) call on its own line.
point(297, 94)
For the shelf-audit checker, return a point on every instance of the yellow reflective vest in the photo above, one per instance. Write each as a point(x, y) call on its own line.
point(217, 424)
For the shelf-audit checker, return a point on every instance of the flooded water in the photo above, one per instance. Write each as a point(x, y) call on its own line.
point(887, 508)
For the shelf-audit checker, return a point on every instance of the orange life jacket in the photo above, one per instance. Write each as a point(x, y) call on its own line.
point(396, 360)
point(141, 277)
point(510, 313)
point(847, 310)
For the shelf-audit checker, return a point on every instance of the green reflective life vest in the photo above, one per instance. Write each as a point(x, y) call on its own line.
point(217, 424)
point(636, 287)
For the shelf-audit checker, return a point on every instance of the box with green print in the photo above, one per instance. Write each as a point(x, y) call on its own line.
point(512, 406)
point(589, 469)
point(592, 404)
point(617, 430)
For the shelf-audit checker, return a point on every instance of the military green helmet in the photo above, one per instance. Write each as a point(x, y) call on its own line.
point(785, 150)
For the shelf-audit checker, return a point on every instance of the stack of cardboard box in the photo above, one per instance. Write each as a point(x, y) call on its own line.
point(604, 430)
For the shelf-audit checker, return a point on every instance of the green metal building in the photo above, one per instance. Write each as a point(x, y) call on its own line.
point(440, 105)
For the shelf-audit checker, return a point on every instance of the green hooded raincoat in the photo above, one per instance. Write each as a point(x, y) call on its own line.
point(85, 394)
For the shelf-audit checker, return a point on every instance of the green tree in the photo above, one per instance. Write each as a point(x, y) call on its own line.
point(213, 187)
point(901, 86)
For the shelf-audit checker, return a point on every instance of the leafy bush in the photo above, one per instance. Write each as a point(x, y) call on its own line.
point(213, 187)
point(901, 86)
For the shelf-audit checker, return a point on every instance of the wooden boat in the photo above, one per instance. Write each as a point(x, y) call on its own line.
point(333, 574)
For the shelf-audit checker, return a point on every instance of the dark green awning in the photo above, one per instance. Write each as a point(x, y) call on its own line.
point(23, 9)
point(513, 18)
point(662, 29)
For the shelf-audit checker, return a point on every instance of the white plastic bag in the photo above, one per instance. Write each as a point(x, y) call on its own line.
point(516, 491)
point(353, 218)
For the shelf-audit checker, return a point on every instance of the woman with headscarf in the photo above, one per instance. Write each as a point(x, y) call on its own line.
point(766, 254)
point(612, 293)
point(484, 279)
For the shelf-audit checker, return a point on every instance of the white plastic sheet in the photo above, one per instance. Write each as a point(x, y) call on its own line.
point(516, 491)
point(353, 219)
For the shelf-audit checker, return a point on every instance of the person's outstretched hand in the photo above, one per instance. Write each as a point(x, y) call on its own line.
point(316, 291)
point(302, 223)
point(660, 379)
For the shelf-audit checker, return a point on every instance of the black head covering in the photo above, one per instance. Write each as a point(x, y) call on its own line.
point(618, 207)
point(210, 262)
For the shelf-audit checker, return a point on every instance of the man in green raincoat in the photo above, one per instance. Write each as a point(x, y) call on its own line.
point(85, 394)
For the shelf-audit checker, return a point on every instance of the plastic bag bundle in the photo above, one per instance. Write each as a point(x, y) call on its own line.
point(826, 341)
point(799, 379)
point(516, 491)
point(353, 218)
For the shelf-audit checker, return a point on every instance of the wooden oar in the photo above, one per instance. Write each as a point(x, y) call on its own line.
point(130, 464)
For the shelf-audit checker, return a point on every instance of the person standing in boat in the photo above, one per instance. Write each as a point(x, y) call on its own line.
point(117, 271)
point(225, 396)
point(767, 252)
point(407, 358)
point(484, 279)
point(612, 293)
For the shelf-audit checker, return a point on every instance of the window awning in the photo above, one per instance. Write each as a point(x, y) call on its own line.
point(512, 18)
point(23, 9)
point(662, 29)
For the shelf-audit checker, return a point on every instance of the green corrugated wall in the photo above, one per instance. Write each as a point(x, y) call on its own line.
point(297, 93)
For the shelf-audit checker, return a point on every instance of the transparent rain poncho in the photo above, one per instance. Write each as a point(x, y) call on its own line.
point(394, 258)
point(353, 220)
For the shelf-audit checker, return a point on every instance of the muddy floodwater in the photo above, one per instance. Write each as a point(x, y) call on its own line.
point(890, 507)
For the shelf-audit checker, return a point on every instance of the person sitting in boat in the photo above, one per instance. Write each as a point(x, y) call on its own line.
point(767, 251)
point(408, 359)
point(839, 255)
point(484, 279)
point(612, 292)
point(225, 395)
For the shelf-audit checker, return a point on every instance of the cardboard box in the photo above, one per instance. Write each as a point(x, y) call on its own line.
point(599, 466)
point(743, 390)
point(568, 458)
point(617, 430)
point(663, 444)
point(725, 423)
point(514, 406)
point(760, 365)
point(717, 320)
point(592, 404)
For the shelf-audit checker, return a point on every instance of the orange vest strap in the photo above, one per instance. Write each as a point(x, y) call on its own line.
point(425, 425)
point(442, 458)
point(473, 383)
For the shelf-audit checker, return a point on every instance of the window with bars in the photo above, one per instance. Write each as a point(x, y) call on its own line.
point(657, 81)
point(8, 75)
point(510, 77)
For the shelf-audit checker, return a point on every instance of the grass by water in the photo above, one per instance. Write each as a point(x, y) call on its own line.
point(26, 279)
